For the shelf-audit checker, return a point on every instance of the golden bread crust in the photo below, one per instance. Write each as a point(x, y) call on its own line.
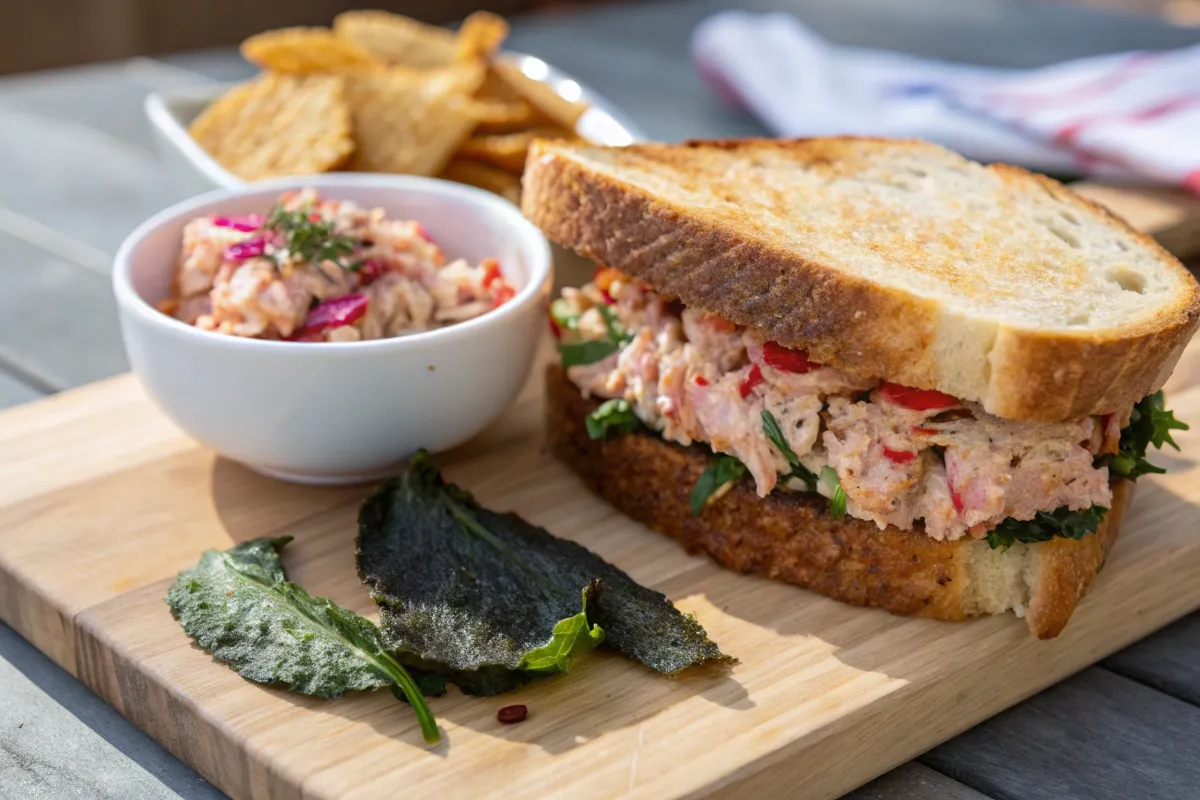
point(792, 537)
point(735, 269)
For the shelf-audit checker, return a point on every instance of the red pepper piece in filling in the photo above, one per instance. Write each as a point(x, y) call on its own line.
point(916, 399)
point(898, 456)
point(491, 271)
point(753, 379)
point(502, 294)
point(701, 380)
point(786, 359)
point(956, 500)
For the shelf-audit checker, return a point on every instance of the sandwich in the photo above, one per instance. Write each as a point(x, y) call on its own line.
point(871, 368)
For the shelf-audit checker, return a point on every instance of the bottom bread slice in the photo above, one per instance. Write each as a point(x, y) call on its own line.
point(792, 537)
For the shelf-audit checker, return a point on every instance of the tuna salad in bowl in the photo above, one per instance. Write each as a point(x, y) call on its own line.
point(321, 329)
point(315, 269)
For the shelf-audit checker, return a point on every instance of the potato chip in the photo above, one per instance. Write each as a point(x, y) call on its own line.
point(484, 176)
point(564, 113)
point(502, 116)
point(278, 125)
point(507, 151)
point(396, 39)
point(480, 36)
point(405, 122)
point(304, 50)
point(464, 79)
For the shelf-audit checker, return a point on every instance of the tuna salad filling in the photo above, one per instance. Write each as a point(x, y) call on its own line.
point(314, 270)
point(882, 452)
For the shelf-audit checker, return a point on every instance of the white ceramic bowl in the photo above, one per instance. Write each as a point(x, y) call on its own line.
point(339, 412)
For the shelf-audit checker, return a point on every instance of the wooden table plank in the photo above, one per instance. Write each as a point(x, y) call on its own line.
point(14, 392)
point(77, 180)
point(914, 781)
point(56, 317)
point(58, 739)
point(1098, 736)
point(107, 98)
point(1168, 660)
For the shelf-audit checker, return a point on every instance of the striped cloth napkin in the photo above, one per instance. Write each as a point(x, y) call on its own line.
point(1127, 116)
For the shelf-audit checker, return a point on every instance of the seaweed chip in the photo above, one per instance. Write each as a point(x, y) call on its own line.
point(488, 599)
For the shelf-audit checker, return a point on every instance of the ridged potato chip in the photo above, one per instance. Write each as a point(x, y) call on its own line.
point(503, 116)
point(304, 50)
point(473, 173)
point(396, 39)
point(480, 36)
point(507, 151)
point(278, 125)
point(404, 121)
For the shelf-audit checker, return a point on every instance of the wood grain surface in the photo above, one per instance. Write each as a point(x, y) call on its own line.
point(103, 502)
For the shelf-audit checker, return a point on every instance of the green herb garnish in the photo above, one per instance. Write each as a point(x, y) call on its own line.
point(239, 606)
point(489, 601)
point(579, 353)
point(837, 503)
point(773, 432)
point(722, 470)
point(311, 240)
point(613, 416)
point(1149, 424)
point(1062, 522)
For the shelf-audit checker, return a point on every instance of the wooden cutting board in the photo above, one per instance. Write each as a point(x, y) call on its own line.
point(102, 502)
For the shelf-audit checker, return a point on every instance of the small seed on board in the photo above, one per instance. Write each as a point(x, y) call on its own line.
point(510, 715)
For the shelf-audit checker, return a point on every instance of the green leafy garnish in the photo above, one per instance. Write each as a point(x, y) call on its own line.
point(310, 240)
point(575, 354)
point(239, 606)
point(775, 434)
point(837, 503)
point(1149, 424)
point(1062, 522)
point(721, 471)
point(613, 416)
point(490, 601)
point(772, 431)
point(578, 353)
point(571, 636)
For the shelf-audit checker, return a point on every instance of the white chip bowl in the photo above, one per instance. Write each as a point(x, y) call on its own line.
point(330, 413)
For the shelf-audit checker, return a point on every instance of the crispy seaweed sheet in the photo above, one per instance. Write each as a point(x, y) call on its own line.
point(488, 600)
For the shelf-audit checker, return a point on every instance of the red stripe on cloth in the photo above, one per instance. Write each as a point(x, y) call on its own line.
point(1090, 88)
point(1191, 181)
point(1068, 134)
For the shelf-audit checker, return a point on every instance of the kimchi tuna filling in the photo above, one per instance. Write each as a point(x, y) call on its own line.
point(900, 455)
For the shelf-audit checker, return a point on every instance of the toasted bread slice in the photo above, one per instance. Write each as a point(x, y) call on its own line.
point(890, 259)
point(792, 537)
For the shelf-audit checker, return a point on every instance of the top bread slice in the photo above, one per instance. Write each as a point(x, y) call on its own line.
point(889, 259)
